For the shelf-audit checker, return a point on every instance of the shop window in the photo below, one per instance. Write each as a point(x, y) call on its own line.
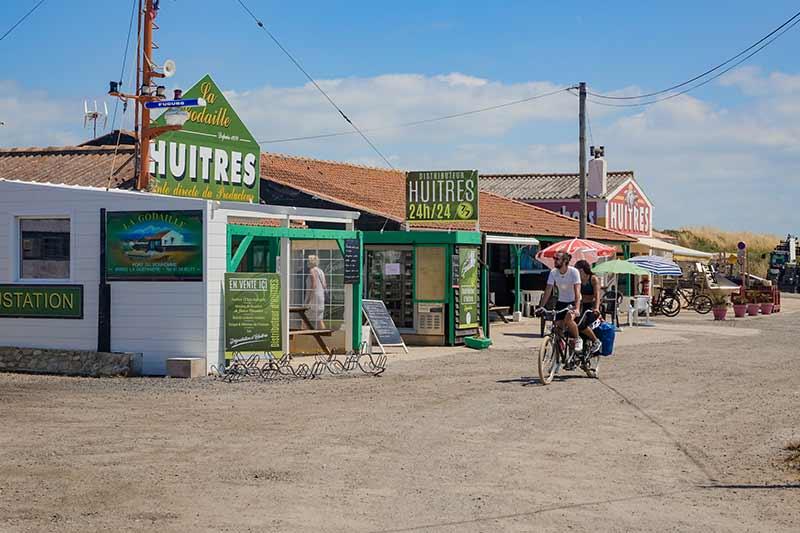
point(44, 248)
point(326, 255)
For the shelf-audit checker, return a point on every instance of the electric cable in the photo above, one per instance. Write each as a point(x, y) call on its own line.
point(20, 21)
point(307, 75)
point(707, 72)
point(124, 62)
point(706, 81)
point(419, 122)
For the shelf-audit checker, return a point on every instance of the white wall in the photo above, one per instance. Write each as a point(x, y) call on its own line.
point(158, 319)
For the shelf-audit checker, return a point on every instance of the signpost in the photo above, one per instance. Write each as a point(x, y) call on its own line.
point(468, 288)
point(352, 261)
point(442, 196)
point(741, 254)
point(213, 156)
point(181, 102)
point(252, 313)
point(154, 246)
point(41, 301)
point(381, 324)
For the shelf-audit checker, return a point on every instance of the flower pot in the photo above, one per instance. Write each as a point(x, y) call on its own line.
point(739, 311)
point(752, 309)
point(720, 313)
point(766, 308)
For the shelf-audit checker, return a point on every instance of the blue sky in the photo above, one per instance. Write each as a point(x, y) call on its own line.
point(726, 155)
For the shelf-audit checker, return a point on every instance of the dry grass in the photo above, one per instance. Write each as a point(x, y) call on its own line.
point(710, 239)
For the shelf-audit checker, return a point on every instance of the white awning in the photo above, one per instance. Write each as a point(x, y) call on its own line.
point(658, 244)
point(508, 239)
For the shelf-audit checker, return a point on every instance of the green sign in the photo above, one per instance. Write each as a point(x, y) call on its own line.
point(154, 246)
point(252, 313)
point(213, 156)
point(41, 301)
point(442, 196)
point(468, 288)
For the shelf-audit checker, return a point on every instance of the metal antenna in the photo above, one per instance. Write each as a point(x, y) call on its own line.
point(94, 116)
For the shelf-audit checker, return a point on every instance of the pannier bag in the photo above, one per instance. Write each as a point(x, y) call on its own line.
point(605, 333)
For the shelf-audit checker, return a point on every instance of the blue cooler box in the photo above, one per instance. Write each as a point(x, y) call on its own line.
point(605, 332)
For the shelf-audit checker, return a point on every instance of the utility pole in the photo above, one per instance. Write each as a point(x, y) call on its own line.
point(582, 156)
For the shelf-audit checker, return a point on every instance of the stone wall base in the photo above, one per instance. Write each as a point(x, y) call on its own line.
point(69, 362)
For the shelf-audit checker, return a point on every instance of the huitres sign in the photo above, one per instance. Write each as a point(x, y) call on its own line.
point(154, 246)
point(252, 313)
point(628, 211)
point(213, 157)
point(442, 196)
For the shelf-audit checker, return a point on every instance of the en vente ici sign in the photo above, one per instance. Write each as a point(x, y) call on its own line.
point(41, 301)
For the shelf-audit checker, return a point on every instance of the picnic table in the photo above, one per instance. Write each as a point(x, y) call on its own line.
point(308, 328)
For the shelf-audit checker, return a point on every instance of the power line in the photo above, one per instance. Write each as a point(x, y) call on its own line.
point(20, 21)
point(419, 122)
point(709, 71)
point(704, 82)
point(124, 61)
point(307, 75)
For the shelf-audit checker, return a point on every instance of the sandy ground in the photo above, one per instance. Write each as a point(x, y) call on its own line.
point(684, 431)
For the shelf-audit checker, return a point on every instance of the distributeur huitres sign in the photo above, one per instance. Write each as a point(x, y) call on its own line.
point(442, 196)
point(213, 156)
point(252, 313)
point(154, 246)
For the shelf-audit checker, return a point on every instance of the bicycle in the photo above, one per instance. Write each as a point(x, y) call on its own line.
point(558, 351)
point(694, 300)
point(666, 303)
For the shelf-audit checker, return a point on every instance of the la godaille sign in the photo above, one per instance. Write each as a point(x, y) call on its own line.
point(213, 156)
point(442, 196)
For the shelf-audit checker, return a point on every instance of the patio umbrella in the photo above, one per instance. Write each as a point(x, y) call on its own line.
point(659, 266)
point(620, 266)
point(585, 249)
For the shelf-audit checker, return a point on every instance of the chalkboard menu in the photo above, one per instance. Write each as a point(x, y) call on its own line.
point(381, 323)
point(352, 261)
point(455, 271)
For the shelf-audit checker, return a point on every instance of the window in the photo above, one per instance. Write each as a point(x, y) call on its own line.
point(44, 248)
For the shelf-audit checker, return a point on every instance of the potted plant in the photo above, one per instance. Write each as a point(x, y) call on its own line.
point(739, 305)
point(766, 303)
point(719, 305)
point(753, 303)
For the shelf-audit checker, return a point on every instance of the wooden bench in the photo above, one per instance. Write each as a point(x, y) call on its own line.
point(496, 309)
point(300, 310)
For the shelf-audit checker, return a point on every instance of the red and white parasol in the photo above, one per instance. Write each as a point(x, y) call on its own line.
point(585, 249)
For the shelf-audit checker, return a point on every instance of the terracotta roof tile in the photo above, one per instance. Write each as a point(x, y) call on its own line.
point(381, 192)
point(72, 165)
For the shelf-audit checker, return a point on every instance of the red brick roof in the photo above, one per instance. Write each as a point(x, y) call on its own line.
point(264, 222)
point(71, 165)
point(381, 192)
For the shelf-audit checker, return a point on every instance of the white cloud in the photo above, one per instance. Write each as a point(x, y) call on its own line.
point(735, 165)
point(34, 118)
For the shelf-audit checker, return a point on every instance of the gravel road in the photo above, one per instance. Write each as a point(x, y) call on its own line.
point(683, 432)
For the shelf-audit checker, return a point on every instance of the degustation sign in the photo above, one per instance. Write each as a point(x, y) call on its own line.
point(213, 156)
point(154, 245)
point(252, 313)
point(41, 301)
point(442, 196)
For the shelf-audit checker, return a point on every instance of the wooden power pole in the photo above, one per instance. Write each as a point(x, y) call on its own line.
point(582, 157)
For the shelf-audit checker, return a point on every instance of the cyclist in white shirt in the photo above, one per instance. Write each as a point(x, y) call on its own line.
point(568, 281)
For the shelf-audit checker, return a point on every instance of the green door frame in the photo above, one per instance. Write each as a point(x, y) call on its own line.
point(250, 232)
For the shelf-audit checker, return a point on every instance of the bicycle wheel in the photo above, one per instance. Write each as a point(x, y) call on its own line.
point(702, 303)
point(670, 306)
point(548, 359)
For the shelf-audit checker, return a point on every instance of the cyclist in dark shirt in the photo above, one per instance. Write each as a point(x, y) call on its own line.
point(590, 303)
